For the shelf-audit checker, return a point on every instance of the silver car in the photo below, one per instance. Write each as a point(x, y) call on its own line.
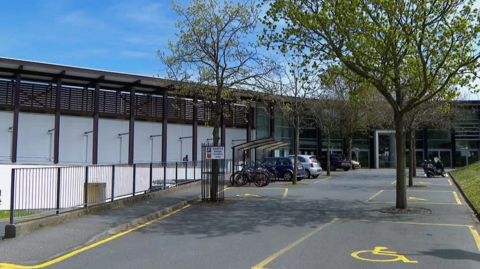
point(311, 164)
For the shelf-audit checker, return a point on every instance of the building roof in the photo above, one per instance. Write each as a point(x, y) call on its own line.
point(81, 77)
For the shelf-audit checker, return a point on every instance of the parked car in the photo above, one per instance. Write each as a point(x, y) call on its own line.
point(311, 164)
point(355, 164)
point(284, 166)
point(336, 161)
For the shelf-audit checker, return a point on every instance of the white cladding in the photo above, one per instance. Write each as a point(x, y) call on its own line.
point(35, 140)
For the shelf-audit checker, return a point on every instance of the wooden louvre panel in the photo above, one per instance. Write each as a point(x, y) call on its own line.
point(37, 96)
point(172, 113)
point(189, 110)
point(6, 93)
point(143, 106)
point(157, 107)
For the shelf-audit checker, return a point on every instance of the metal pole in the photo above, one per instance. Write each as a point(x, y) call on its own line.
point(12, 196)
point(151, 176)
point(176, 174)
point(113, 182)
point(58, 189)
point(134, 177)
point(164, 175)
point(186, 171)
point(86, 186)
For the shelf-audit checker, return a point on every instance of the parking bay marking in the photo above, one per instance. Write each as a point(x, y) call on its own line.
point(378, 250)
point(455, 195)
point(287, 248)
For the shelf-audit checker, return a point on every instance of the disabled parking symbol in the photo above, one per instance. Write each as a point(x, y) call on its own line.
point(388, 256)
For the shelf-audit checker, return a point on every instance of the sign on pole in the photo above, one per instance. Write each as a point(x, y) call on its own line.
point(215, 153)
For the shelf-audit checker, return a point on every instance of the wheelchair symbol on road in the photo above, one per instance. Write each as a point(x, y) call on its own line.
point(382, 251)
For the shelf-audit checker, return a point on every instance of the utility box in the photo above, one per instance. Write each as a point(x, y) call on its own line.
point(97, 193)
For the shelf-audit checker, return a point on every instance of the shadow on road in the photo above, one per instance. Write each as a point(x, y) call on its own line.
point(247, 216)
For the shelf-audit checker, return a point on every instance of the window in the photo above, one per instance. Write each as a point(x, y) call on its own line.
point(270, 161)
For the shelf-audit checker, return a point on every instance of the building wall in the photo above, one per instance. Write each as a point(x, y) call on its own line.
point(35, 142)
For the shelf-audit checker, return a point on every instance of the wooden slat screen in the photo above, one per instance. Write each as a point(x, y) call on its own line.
point(80, 101)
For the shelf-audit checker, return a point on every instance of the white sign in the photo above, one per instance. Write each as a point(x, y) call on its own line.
point(215, 153)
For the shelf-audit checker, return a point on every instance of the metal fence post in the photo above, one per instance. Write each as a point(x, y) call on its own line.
point(194, 170)
point(176, 173)
point(86, 187)
point(186, 171)
point(12, 196)
point(113, 182)
point(134, 177)
point(58, 189)
point(151, 177)
point(164, 175)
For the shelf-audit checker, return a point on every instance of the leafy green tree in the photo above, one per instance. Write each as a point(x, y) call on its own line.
point(410, 50)
point(212, 56)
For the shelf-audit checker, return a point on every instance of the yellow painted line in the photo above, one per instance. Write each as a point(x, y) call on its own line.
point(256, 188)
point(475, 236)
point(227, 188)
point(285, 193)
point(420, 191)
point(287, 248)
point(456, 198)
point(375, 195)
point(450, 182)
point(73, 253)
point(416, 198)
point(394, 182)
point(322, 180)
point(427, 203)
point(425, 224)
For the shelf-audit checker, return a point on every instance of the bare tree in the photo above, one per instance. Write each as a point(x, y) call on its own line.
point(212, 56)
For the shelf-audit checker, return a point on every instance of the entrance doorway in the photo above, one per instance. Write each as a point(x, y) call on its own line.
point(385, 149)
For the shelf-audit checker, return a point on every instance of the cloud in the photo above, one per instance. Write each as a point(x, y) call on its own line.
point(137, 54)
point(141, 12)
point(80, 19)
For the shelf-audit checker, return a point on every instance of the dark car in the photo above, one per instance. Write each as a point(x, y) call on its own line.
point(284, 166)
point(337, 161)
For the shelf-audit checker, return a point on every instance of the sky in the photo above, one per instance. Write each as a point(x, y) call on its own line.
point(114, 35)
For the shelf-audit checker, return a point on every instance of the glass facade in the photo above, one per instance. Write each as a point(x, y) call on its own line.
point(436, 143)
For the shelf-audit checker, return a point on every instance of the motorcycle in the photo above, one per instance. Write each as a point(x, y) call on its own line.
point(434, 168)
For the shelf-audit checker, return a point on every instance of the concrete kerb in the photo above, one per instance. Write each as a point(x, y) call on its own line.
point(23, 228)
point(465, 196)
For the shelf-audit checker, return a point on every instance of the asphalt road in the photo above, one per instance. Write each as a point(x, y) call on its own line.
point(323, 223)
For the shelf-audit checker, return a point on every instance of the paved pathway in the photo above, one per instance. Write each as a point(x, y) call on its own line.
point(323, 223)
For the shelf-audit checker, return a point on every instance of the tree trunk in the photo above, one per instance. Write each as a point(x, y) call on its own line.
point(414, 148)
point(328, 154)
point(401, 162)
point(349, 148)
point(295, 151)
point(215, 163)
point(411, 167)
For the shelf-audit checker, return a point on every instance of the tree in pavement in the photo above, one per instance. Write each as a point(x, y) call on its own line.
point(212, 56)
point(289, 93)
point(410, 50)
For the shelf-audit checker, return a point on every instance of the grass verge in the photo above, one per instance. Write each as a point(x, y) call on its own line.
point(468, 178)
point(4, 214)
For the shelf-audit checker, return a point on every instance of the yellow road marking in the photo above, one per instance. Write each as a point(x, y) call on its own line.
point(426, 224)
point(427, 183)
point(327, 178)
point(420, 191)
point(382, 251)
point(287, 248)
point(285, 193)
point(456, 198)
point(375, 195)
point(475, 236)
point(224, 189)
point(75, 252)
point(450, 182)
point(427, 203)
point(394, 182)
point(247, 195)
point(415, 198)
